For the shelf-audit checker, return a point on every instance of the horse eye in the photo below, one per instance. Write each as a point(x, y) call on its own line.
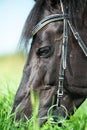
point(45, 51)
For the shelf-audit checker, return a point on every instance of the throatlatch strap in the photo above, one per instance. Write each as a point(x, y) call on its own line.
point(78, 38)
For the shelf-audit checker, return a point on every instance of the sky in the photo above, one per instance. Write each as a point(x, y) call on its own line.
point(13, 14)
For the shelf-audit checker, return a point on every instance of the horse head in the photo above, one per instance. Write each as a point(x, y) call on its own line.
point(41, 71)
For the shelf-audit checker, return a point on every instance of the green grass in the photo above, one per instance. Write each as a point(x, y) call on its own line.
point(10, 75)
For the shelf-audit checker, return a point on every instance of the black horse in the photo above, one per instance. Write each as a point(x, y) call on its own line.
point(42, 69)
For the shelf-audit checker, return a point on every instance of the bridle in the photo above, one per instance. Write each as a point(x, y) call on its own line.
point(66, 24)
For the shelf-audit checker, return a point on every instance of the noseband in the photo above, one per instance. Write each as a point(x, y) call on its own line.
point(66, 24)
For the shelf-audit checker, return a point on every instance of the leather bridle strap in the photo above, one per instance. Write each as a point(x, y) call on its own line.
point(63, 60)
point(47, 20)
point(78, 38)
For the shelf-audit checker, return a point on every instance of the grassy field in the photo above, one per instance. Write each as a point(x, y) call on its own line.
point(10, 75)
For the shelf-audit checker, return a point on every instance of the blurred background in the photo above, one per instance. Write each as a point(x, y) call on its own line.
point(13, 14)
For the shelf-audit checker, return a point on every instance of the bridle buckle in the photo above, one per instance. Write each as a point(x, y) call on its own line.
point(60, 94)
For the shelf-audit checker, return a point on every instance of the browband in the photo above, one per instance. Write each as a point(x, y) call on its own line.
point(47, 20)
